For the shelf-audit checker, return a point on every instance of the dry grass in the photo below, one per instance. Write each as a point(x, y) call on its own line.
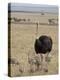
point(22, 44)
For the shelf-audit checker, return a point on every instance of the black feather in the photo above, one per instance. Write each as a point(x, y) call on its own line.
point(43, 44)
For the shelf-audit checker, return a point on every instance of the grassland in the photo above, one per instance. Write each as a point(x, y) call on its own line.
point(22, 43)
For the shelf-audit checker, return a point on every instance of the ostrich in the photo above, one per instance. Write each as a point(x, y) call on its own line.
point(42, 46)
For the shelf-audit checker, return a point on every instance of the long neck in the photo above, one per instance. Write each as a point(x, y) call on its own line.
point(37, 30)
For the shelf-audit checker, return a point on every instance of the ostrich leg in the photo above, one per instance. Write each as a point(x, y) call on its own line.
point(41, 60)
point(45, 62)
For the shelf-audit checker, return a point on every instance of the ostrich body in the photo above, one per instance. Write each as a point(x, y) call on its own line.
point(42, 46)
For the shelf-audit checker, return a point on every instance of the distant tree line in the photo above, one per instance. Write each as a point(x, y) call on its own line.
point(50, 21)
point(53, 21)
point(17, 19)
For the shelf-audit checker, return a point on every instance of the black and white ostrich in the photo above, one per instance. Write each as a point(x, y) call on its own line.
point(42, 46)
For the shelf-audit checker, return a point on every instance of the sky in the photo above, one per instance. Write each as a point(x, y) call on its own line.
point(32, 7)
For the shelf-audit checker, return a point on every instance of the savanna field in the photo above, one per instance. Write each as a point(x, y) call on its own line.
point(22, 42)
